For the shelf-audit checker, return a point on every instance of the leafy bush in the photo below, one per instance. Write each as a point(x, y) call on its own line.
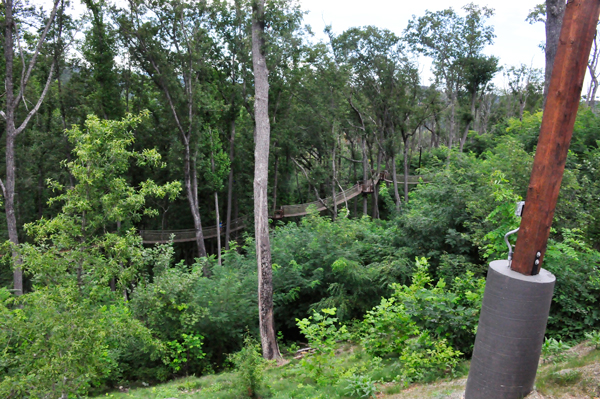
point(220, 308)
point(423, 356)
point(185, 352)
point(386, 328)
point(360, 386)
point(56, 343)
point(322, 332)
point(250, 366)
point(554, 350)
point(574, 308)
point(594, 338)
point(448, 312)
point(417, 323)
point(347, 264)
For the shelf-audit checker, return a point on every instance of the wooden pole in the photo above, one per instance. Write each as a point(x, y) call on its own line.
point(564, 94)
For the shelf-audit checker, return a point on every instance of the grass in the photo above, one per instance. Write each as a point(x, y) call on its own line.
point(579, 374)
point(289, 381)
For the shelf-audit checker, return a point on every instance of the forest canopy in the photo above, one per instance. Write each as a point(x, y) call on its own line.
point(385, 195)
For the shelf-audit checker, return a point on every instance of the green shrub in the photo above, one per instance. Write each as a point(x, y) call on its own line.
point(348, 264)
point(449, 313)
point(574, 308)
point(57, 344)
point(594, 338)
point(419, 322)
point(250, 366)
point(322, 332)
point(386, 328)
point(424, 356)
point(185, 351)
point(360, 386)
point(554, 350)
point(220, 308)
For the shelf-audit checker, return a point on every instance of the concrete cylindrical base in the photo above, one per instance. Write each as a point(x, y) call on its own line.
point(510, 333)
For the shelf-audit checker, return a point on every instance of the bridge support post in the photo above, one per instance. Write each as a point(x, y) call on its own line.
point(510, 333)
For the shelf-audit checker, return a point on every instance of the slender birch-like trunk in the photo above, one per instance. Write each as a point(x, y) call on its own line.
point(365, 174)
point(13, 99)
point(261, 178)
point(230, 186)
point(395, 180)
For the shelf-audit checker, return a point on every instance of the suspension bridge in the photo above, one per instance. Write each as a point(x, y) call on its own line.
point(285, 211)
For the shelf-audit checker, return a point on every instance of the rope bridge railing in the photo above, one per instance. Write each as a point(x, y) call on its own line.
point(187, 235)
point(301, 209)
point(286, 211)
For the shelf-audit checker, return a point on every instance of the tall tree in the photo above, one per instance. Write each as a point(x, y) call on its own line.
point(455, 43)
point(99, 51)
point(593, 70)
point(551, 13)
point(232, 20)
point(376, 60)
point(523, 83)
point(170, 41)
point(555, 11)
point(16, 89)
point(262, 138)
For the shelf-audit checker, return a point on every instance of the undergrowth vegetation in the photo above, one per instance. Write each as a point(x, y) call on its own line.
point(374, 300)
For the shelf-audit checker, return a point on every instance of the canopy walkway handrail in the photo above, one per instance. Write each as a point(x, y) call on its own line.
point(189, 235)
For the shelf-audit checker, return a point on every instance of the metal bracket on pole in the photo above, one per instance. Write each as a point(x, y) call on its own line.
point(518, 212)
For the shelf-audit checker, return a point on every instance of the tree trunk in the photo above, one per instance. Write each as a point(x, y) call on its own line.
point(11, 220)
point(395, 180)
point(261, 178)
point(592, 68)
point(452, 122)
point(230, 185)
point(405, 171)
point(9, 189)
point(218, 228)
point(275, 185)
point(300, 200)
point(40, 192)
point(191, 188)
point(333, 180)
point(353, 154)
point(555, 10)
point(12, 131)
point(375, 188)
point(466, 133)
point(218, 217)
point(365, 174)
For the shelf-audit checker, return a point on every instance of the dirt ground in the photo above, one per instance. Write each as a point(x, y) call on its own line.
point(577, 378)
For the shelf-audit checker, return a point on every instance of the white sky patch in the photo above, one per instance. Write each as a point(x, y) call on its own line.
point(516, 40)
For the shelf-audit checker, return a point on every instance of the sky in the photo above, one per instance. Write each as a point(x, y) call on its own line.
point(517, 42)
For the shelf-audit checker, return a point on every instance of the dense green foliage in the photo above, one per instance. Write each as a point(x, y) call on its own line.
point(157, 106)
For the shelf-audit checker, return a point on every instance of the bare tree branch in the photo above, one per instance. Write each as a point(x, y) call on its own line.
point(39, 103)
point(33, 60)
point(23, 64)
point(313, 187)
